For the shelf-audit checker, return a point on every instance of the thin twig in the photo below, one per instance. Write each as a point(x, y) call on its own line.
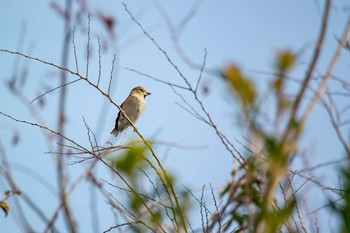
point(201, 71)
point(111, 77)
point(138, 193)
point(45, 128)
point(201, 210)
point(90, 140)
point(121, 225)
point(156, 79)
point(54, 89)
point(160, 199)
point(99, 61)
point(132, 189)
point(42, 61)
point(193, 113)
point(88, 49)
point(218, 217)
point(336, 125)
point(156, 44)
point(176, 31)
point(325, 164)
point(75, 51)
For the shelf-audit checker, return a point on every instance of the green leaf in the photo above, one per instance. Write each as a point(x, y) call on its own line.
point(285, 213)
point(136, 203)
point(170, 179)
point(156, 217)
point(133, 158)
point(343, 210)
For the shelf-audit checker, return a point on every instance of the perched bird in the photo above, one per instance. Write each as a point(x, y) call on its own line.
point(133, 107)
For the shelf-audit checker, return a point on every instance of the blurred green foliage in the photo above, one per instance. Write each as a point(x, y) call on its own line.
point(343, 209)
point(240, 85)
point(132, 160)
point(285, 61)
point(252, 193)
point(151, 201)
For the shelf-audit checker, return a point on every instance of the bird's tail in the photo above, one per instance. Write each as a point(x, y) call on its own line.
point(115, 132)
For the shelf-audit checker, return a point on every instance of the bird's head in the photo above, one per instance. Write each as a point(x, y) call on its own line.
point(140, 91)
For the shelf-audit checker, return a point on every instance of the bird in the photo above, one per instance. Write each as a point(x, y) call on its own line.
point(133, 107)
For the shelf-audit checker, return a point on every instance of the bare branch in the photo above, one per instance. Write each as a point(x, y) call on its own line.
point(88, 49)
point(217, 215)
point(111, 77)
point(297, 208)
point(54, 89)
point(220, 135)
point(75, 51)
point(201, 71)
point(195, 114)
point(159, 48)
point(92, 144)
point(121, 225)
point(336, 126)
point(328, 74)
point(42, 61)
point(186, 19)
point(45, 128)
point(99, 61)
point(157, 80)
point(192, 111)
point(202, 205)
point(314, 61)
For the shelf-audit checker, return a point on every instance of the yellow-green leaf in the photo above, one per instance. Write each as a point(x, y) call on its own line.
point(285, 61)
point(240, 84)
point(5, 207)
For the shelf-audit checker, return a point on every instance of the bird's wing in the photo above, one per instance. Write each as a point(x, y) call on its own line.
point(116, 121)
point(128, 106)
point(118, 117)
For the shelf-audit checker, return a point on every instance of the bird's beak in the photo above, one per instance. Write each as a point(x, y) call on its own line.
point(147, 93)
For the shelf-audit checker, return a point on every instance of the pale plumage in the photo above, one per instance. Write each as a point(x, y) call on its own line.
point(133, 107)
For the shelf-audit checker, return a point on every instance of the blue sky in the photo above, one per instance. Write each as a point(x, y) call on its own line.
point(247, 33)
